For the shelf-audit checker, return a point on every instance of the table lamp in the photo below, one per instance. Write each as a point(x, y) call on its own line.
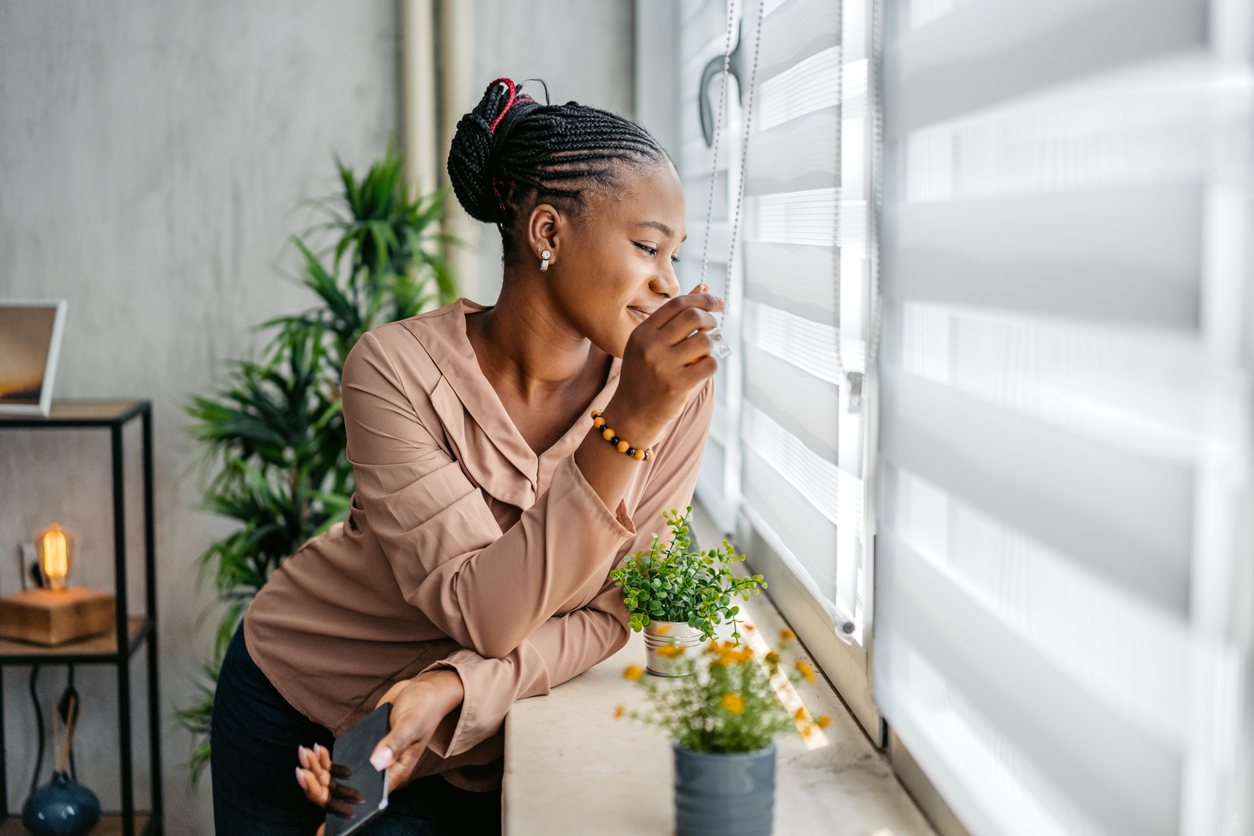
point(55, 613)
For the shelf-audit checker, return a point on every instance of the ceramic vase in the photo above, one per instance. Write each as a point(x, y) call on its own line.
point(62, 808)
point(719, 794)
point(665, 636)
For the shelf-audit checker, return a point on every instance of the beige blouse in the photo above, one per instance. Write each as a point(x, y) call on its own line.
point(462, 549)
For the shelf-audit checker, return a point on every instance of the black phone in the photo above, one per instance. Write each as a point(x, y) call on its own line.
point(352, 750)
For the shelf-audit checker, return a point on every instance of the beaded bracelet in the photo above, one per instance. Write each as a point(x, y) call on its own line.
point(623, 446)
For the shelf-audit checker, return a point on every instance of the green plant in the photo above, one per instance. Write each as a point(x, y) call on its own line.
point(672, 582)
point(274, 430)
point(728, 701)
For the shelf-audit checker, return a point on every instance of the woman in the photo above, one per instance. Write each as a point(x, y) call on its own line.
point(472, 569)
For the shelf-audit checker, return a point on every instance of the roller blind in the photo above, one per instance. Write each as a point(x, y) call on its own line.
point(1060, 633)
point(787, 450)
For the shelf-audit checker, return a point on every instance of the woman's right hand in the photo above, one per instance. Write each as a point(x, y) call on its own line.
point(668, 357)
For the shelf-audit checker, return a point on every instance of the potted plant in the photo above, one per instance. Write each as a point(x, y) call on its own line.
point(678, 595)
point(723, 720)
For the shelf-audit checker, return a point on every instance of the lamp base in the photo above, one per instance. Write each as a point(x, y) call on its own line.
point(56, 616)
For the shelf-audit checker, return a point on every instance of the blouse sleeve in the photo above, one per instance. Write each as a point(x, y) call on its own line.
point(566, 646)
point(484, 589)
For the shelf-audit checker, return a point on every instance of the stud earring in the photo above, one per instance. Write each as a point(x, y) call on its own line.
point(544, 260)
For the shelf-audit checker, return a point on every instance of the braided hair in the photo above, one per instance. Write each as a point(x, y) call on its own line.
point(511, 150)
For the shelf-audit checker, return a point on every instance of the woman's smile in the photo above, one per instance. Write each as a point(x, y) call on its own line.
point(641, 312)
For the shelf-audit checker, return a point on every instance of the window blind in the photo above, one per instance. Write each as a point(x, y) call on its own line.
point(788, 447)
point(1060, 638)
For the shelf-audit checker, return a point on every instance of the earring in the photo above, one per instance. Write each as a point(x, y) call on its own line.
point(544, 260)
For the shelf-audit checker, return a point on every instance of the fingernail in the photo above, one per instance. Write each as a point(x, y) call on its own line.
point(381, 759)
point(300, 779)
point(720, 301)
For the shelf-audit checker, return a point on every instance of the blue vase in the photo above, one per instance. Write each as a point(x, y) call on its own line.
point(62, 808)
point(718, 794)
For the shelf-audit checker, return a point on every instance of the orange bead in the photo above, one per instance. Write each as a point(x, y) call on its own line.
point(639, 456)
point(598, 422)
point(622, 446)
point(607, 434)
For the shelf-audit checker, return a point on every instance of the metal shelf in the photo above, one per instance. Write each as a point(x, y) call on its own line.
point(110, 825)
point(101, 649)
point(111, 415)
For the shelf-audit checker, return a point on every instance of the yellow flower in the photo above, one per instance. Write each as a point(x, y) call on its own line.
point(733, 703)
point(633, 672)
point(620, 711)
point(662, 629)
point(800, 715)
point(787, 635)
point(823, 721)
point(670, 651)
point(712, 647)
point(806, 731)
point(804, 667)
point(728, 654)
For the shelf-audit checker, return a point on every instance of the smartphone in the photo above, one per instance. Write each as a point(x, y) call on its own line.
point(352, 749)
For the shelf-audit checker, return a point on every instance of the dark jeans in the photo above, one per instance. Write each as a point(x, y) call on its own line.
point(254, 739)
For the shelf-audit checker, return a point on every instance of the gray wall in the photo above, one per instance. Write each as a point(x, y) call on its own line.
point(151, 157)
point(584, 51)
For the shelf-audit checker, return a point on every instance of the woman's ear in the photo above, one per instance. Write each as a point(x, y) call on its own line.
point(543, 232)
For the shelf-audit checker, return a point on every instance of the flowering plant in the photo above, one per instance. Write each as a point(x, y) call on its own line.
point(730, 703)
point(671, 582)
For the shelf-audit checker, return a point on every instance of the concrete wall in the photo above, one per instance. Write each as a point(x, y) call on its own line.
point(151, 157)
point(584, 51)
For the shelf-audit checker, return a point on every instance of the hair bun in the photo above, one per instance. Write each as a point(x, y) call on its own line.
point(470, 155)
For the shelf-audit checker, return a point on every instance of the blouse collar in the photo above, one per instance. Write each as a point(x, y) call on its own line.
point(443, 335)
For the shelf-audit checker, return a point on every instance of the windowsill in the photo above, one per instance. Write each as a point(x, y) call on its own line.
point(571, 768)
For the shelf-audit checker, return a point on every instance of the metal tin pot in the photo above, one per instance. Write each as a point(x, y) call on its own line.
point(718, 794)
point(669, 634)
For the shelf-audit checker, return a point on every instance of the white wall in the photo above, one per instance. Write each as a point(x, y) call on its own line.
point(151, 156)
point(583, 49)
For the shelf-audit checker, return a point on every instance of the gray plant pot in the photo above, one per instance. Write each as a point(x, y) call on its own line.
point(724, 795)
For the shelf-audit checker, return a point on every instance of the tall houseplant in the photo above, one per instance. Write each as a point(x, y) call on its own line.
point(274, 429)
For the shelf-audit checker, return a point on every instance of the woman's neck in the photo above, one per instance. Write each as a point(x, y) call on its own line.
point(533, 357)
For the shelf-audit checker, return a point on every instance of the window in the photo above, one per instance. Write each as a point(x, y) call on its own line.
point(1065, 410)
point(788, 454)
point(1024, 476)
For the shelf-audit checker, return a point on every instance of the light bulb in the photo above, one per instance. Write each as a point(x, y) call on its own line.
point(56, 554)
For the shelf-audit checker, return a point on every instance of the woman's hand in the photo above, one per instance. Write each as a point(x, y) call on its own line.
point(317, 776)
point(418, 707)
point(668, 357)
